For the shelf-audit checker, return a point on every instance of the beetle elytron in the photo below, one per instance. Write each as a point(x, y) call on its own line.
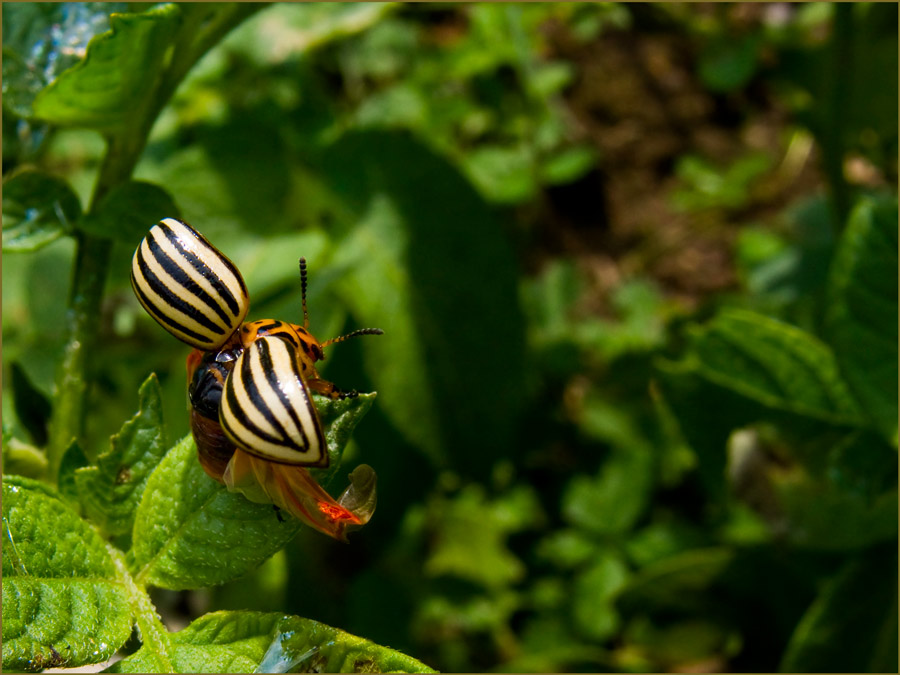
point(250, 384)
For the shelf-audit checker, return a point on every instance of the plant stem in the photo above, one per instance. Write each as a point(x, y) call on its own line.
point(92, 254)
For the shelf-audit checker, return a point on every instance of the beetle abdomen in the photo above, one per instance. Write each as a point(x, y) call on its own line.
point(188, 286)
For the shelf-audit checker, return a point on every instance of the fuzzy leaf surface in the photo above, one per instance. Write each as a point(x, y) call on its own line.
point(63, 604)
point(190, 532)
point(112, 489)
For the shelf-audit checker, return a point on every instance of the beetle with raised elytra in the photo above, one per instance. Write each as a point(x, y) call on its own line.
point(250, 384)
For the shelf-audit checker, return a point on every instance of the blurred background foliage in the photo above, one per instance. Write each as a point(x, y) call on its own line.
point(636, 268)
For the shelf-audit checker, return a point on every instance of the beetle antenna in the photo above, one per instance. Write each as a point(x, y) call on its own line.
point(303, 292)
point(356, 333)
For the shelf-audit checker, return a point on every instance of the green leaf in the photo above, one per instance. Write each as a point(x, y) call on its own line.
point(568, 165)
point(677, 581)
point(23, 459)
point(72, 460)
point(106, 89)
point(852, 625)
point(248, 642)
point(42, 39)
point(729, 62)
point(594, 595)
point(852, 504)
point(862, 310)
point(112, 489)
point(409, 264)
point(128, 211)
point(31, 405)
point(63, 605)
point(774, 364)
point(303, 26)
point(613, 500)
point(190, 532)
point(503, 174)
point(339, 418)
point(470, 535)
point(37, 209)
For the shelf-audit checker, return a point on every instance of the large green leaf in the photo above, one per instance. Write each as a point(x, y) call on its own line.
point(105, 90)
point(190, 532)
point(112, 489)
point(774, 364)
point(852, 625)
point(63, 602)
point(249, 642)
point(862, 309)
point(423, 258)
point(42, 39)
point(128, 211)
point(37, 209)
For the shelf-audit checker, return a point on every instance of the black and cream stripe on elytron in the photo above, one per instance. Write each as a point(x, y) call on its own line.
point(266, 407)
point(188, 286)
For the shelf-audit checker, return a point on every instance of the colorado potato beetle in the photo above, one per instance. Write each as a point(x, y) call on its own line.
point(250, 384)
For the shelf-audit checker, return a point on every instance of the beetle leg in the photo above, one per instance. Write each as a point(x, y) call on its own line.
point(329, 389)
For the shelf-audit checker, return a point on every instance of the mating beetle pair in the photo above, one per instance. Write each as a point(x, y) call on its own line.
point(250, 384)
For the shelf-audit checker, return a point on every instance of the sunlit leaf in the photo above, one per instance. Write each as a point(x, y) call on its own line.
point(103, 91)
point(63, 604)
point(190, 532)
point(41, 40)
point(248, 642)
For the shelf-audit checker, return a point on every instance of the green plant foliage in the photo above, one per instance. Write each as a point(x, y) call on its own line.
point(37, 210)
point(636, 269)
point(471, 534)
point(252, 642)
point(862, 310)
point(103, 91)
point(124, 213)
point(112, 489)
point(187, 520)
point(63, 603)
point(774, 364)
point(838, 632)
point(399, 220)
point(30, 60)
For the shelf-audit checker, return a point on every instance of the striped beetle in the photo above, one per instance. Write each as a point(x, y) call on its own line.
point(250, 384)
